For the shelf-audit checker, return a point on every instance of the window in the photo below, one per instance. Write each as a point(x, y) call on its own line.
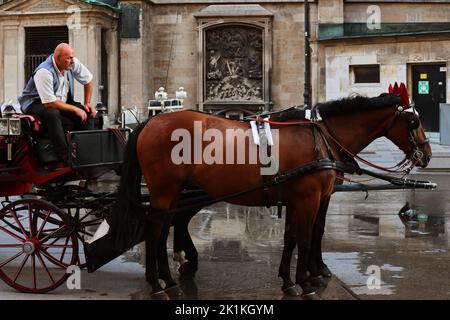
point(39, 43)
point(365, 73)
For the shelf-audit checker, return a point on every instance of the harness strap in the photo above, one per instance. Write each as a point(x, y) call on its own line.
point(316, 141)
point(274, 181)
point(263, 146)
point(331, 153)
point(264, 143)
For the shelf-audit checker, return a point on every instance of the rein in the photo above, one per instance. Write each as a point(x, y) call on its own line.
point(401, 165)
point(319, 164)
point(274, 181)
point(324, 164)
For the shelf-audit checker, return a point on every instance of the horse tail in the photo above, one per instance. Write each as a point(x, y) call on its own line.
point(126, 218)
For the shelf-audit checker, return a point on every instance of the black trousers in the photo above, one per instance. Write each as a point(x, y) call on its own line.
point(57, 123)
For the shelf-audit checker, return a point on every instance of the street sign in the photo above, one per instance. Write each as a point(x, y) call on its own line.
point(424, 87)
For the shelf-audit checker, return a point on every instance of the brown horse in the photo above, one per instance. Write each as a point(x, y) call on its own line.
point(353, 123)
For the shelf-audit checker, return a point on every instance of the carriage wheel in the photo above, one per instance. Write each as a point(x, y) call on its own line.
point(37, 245)
point(86, 225)
point(88, 222)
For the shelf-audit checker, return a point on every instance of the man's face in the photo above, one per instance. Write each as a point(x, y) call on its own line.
point(65, 59)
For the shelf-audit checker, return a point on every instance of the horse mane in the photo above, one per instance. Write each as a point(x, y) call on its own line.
point(293, 113)
point(356, 104)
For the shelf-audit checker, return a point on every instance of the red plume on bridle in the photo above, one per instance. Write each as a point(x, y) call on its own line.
point(400, 91)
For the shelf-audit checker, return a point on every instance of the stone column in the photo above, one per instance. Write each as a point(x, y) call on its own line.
point(2, 78)
point(21, 59)
point(112, 50)
point(11, 67)
point(86, 42)
point(94, 57)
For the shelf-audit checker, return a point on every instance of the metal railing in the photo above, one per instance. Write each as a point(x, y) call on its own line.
point(31, 62)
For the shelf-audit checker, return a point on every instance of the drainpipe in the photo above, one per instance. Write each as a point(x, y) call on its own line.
point(119, 28)
point(307, 88)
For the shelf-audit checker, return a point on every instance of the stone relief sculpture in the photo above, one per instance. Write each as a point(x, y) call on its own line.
point(233, 64)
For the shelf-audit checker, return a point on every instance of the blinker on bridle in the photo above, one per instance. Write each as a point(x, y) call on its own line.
point(412, 124)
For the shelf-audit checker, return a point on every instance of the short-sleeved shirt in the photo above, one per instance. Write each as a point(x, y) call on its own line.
point(43, 80)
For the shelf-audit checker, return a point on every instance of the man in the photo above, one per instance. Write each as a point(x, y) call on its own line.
point(49, 95)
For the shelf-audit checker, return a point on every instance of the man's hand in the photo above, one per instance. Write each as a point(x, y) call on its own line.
point(90, 109)
point(80, 113)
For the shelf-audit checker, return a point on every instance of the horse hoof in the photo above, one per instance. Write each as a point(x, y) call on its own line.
point(174, 291)
point(325, 272)
point(160, 295)
point(311, 296)
point(186, 271)
point(318, 281)
point(291, 291)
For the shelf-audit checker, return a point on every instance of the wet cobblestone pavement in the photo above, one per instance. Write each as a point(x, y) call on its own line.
point(240, 250)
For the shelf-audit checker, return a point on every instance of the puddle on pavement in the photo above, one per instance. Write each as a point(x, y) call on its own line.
point(228, 233)
point(361, 279)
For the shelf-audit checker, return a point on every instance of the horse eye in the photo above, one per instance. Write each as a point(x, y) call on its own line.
point(414, 124)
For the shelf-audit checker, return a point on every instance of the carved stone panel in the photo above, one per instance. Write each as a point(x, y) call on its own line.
point(233, 59)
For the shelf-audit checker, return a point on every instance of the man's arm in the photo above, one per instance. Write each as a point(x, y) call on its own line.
point(87, 97)
point(85, 77)
point(44, 85)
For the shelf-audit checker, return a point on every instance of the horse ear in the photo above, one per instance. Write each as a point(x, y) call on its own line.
point(404, 95)
point(390, 88)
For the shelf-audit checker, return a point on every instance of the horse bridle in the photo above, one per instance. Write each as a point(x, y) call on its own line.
point(413, 125)
point(413, 155)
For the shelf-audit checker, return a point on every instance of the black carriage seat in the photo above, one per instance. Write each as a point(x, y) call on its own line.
point(35, 129)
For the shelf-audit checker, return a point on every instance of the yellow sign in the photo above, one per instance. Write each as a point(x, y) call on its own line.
point(423, 76)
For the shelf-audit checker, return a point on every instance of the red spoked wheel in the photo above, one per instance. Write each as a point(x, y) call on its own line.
point(37, 245)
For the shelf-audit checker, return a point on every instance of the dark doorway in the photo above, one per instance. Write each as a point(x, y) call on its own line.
point(40, 42)
point(104, 70)
point(429, 89)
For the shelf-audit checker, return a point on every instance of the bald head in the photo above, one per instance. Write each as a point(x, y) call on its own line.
point(64, 56)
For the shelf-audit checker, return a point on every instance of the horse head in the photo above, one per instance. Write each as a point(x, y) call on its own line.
point(406, 131)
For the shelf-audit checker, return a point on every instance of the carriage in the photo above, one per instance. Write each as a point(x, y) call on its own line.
point(41, 232)
point(45, 213)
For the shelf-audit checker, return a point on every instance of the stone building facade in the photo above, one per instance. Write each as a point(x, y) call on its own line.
point(246, 55)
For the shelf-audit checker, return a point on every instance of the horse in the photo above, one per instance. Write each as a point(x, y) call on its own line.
point(348, 124)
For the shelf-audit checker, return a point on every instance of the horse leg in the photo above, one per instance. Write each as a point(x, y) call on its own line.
point(323, 268)
point(162, 197)
point(284, 271)
point(317, 268)
point(152, 236)
point(183, 243)
point(304, 216)
point(171, 288)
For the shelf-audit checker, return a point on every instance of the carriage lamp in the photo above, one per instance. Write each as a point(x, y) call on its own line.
point(10, 128)
point(181, 94)
point(14, 128)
